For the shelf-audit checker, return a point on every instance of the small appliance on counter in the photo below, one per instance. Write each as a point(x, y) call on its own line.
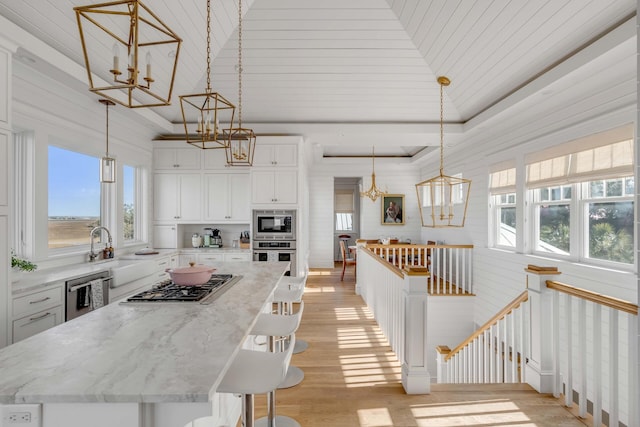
point(196, 240)
point(213, 237)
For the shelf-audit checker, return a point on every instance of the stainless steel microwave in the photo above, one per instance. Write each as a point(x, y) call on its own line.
point(274, 225)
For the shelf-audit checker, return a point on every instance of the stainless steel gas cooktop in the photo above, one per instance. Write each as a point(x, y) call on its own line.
point(169, 292)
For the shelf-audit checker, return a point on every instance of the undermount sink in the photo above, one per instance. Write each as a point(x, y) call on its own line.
point(125, 271)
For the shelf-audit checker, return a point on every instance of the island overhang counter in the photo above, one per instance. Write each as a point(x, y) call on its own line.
point(151, 362)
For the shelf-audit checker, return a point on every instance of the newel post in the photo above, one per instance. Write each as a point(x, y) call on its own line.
point(539, 367)
point(441, 360)
point(415, 375)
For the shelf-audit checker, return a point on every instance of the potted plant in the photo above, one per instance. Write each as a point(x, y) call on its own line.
point(18, 265)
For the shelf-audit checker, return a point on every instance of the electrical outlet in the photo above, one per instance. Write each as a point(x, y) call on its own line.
point(21, 416)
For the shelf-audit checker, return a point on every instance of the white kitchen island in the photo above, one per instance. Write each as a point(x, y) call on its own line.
point(138, 365)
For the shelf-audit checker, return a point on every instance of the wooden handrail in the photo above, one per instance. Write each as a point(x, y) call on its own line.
point(412, 245)
point(389, 266)
point(502, 313)
point(595, 297)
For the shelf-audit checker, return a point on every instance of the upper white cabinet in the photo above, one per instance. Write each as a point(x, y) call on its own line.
point(275, 155)
point(274, 186)
point(227, 197)
point(214, 159)
point(187, 158)
point(177, 197)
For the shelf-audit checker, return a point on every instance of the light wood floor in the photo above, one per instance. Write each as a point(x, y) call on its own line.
point(352, 378)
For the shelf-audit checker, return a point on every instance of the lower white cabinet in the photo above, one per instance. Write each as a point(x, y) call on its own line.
point(163, 264)
point(237, 256)
point(210, 259)
point(37, 311)
point(37, 322)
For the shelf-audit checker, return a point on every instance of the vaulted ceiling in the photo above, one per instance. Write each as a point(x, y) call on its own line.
point(349, 74)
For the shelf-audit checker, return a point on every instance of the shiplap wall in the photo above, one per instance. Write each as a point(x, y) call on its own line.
point(393, 178)
point(43, 105)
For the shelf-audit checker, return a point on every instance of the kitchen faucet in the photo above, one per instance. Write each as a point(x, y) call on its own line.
point(93, 255)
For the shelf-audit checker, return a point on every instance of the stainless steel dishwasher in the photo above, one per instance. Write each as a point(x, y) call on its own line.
point(81, 298)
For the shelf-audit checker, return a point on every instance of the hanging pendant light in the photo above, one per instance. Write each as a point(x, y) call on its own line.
point(210, 109)
point(443, 199)
point(242, 141)
point(373, 192)
point(133, 29)
point(107, 163)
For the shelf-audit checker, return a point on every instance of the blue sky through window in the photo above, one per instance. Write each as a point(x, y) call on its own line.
point(74, 184)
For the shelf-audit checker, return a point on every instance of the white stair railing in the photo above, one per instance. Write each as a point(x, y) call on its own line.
point(560, 339)
point(595, 357)
point(493, 353)
point(450, 266)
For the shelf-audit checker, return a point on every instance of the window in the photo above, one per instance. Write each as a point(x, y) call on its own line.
point(503, 203)
point(344, 209)
point(552, 206)
point(129, 196)
point(583, 199)
point(608, 206)
point(74, 197)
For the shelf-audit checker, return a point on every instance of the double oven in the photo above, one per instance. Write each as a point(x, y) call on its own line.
point(274, 236)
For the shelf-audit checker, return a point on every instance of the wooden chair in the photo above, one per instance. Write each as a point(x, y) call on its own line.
point(346, 259)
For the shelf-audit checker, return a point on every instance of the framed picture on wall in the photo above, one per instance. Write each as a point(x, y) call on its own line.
point(393, 209)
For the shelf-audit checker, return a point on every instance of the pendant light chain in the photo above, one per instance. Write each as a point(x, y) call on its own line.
point(107, 105)
point(240, 63)
point(208, 46)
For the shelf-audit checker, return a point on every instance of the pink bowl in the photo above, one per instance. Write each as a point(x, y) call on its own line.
point(191, 276)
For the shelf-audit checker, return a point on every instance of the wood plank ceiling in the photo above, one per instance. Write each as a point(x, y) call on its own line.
point(325, 68)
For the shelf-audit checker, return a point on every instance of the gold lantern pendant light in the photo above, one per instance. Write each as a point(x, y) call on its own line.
point(373, 192)
point(242, 141)
point(211, 109)
point(130, 25)
point(107, 163)
point(443, 199)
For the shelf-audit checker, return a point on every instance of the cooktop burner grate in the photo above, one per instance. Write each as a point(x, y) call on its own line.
point(167, 291)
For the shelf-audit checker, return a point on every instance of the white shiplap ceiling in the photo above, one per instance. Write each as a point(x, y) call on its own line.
point(350, 74)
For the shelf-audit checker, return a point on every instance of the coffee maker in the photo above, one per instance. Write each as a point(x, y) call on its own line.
point(214, 237)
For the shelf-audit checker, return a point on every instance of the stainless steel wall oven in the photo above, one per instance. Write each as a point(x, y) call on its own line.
point(270, 251)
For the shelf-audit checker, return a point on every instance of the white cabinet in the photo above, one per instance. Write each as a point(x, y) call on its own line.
point(274, 186)
point(185, 259)
point(165, 237)
point(214, 159)
point(237, 256)
point(227, 197)
point(210, 259)
point(188, 158)
point(177, 197)
point(37, 311)
point(279, 155)
point(163, 264)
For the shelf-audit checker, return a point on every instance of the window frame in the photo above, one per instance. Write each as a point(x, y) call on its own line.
point(578, 224)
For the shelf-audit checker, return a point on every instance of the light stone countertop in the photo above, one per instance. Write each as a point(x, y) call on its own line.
point(41, 279)
point(140, 352)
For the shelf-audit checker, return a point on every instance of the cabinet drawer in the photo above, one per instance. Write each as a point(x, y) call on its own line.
point(237, 257)
point(36, 322)
point(210, 259)
point(38, 301)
